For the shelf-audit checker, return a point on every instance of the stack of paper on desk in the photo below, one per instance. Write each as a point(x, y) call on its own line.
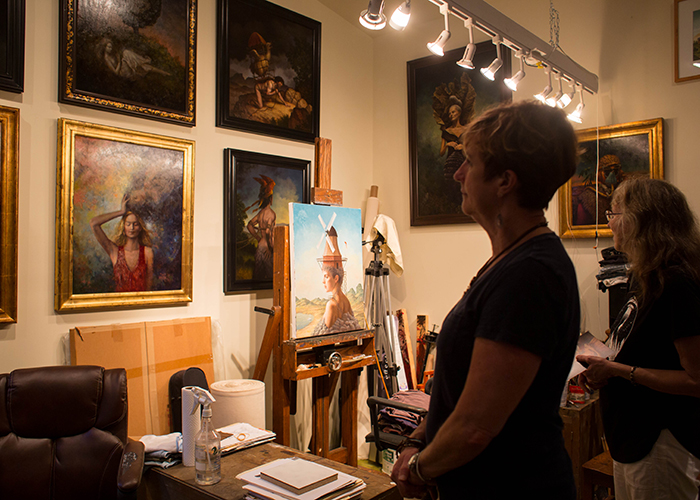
point(238, 436)
point(299, 479)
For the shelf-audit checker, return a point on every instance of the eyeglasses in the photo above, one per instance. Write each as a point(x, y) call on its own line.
point(610, 215)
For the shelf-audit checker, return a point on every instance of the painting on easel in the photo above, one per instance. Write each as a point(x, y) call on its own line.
point(326, 270)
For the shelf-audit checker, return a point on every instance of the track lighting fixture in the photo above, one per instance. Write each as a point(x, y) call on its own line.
point(467, 59)
point(490, 72)
point(373, 18)
point(575, 116)
point(512, 83)
point(542, 96)
point(437, 47)
point(401, 16)
point(552, 100)
point(566, 99)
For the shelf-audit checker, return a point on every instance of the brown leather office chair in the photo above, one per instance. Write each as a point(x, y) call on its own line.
point(63, 434)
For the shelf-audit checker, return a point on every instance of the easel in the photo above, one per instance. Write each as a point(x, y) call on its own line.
point(295, 360)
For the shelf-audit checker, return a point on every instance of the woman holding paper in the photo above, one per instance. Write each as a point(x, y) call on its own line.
point(505, 350)
point(650, 390)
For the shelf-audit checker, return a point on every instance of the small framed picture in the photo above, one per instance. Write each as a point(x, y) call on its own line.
point(268, 70)
point(442, 99)
point(257, 191)
point(687, 42)
point(125, 206)
point(609, 156)
point(137, 58)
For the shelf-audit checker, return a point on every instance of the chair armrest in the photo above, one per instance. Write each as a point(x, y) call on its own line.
point(132, 466)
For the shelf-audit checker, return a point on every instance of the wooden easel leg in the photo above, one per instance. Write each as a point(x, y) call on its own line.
point(348, 391)
point(321, 397)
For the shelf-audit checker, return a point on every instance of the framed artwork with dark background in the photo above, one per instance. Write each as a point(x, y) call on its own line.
point(268, 70)
point(257, 191)
point(139, 61)
point(12, 24)
point(442, 99)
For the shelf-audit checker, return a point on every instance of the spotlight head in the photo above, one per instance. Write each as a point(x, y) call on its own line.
point(401, 16)
point(542, 96)
point(490, 72)
point(575, 116)
point(467, 59)
point(565, 100)
point(554, 99)
point(373, 18)
point(437, 47)
point(512, 83)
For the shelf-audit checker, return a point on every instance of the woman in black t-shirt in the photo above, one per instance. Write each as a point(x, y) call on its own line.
point(650, 390)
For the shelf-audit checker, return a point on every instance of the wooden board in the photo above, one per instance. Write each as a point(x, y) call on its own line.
point(151, 353)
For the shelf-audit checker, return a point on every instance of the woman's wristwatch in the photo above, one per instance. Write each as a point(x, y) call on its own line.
point(414, 469)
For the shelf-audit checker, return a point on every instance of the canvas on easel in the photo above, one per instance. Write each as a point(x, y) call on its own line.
point(326, 270)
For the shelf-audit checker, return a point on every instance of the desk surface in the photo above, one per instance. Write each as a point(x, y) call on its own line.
point(178, 482)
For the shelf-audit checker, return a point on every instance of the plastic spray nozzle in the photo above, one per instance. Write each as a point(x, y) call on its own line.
point(201, 397)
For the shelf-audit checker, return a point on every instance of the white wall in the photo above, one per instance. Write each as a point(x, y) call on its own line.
point(629, 44)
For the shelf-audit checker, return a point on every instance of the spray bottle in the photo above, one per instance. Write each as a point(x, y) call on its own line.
point(207, 442)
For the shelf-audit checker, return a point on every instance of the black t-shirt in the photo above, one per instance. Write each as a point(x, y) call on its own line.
point(634, 416)
point(529, 299)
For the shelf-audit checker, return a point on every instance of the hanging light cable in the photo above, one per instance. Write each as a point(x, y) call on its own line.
point(490, 72)
point(542, 96)
point(575, 115)
point(373, 18)
point(437, 47)
point(467, 59)
point(401, 16)
point(512, 83)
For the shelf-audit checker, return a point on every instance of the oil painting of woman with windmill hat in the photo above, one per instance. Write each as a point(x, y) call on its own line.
point(328, 239)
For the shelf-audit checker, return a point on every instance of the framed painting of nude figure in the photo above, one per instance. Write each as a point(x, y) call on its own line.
point(124, 212)
point(137, 58)
point(268, 70)
point(257, 191)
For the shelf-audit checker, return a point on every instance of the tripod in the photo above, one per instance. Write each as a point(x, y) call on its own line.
point(378, 314)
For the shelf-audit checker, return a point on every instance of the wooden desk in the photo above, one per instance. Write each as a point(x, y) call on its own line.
point(178, 482)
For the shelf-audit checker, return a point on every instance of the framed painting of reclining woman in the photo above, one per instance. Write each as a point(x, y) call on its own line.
point(137, 58)
point(124, 213)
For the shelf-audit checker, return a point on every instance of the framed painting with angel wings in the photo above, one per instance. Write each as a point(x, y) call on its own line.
point(442, 99)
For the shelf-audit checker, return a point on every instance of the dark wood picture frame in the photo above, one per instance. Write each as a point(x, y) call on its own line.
point(138, 64)
point(609, 154)
point(12, 26)
point(435, 85)
point(9, 207)
point(98, 167)
point(259, 43)
point(247, 182)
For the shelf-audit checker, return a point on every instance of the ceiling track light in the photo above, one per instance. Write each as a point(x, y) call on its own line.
point(438, 46)
point(373, 18)
point(566, 99)
point(512, 83)
point(490, 72)
point(401, 16)
point(542, 96)
point(575, 115)
point(552, 100)
point(467, 60)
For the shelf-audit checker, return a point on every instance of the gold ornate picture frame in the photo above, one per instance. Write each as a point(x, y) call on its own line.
point(609, 155)
point(9, 182)
point(109, 181)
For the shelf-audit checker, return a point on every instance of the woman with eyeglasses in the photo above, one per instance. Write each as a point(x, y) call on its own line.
point(650, 390)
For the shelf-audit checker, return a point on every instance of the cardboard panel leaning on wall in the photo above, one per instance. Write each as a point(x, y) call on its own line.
point(151, 353)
